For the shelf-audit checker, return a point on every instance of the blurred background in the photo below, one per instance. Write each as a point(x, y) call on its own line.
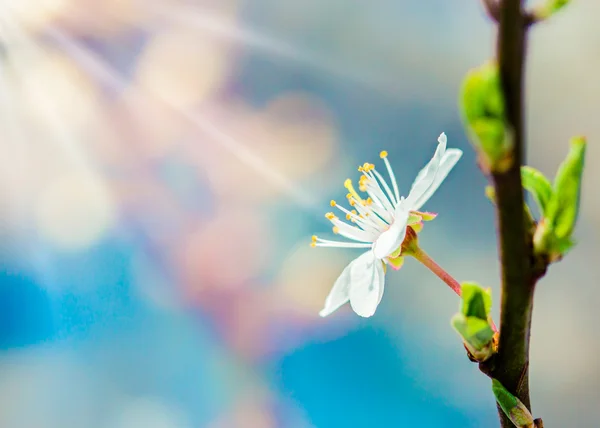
point(164, 163)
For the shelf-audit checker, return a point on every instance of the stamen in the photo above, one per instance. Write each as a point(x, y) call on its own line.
point(367, 167)
point(314, 238)
point(392, 178)
point(383, 154)
point(375, 221)
point(353, 217)
point(388, 191)
point(332, 203)
point(348, 185)
point(313, 244)
point(336, 230)
point(330, 216)
point(337, 244)
point(362, 183)
point(383, 205)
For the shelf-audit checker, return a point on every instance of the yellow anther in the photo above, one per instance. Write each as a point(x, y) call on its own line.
point(332, 203)
point(352, 202)
point(314, 238)
point(369, 201)
point(313, 244)
point(362, 188)
point(383, 154)
point(348, 185)
point(360, 169)
point(329, 216)
point(336, 230)
point(348, 217)
point(367, 167)
point(354, 212)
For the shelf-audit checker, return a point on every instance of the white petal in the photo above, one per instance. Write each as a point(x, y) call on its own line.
point(367, 284)
point(390, 240)
point(442, 138)
point(340, 293)
point(451, 157)
point(426, 176)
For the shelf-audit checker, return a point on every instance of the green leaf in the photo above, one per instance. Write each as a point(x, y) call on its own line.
point(482, 109)
point(512, 407)
point(476, 333)
point(481, 94)
point(538, 185)
point(548, 8)
point(476, 302)
point(553, 235)
point(563, 208)
point(472, 322)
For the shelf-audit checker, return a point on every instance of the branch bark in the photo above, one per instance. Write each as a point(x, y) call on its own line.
point(492, 7)
point(510, 365)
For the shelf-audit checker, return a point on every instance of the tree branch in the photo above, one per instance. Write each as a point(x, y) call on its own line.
point(510, 365)
point(492, 7)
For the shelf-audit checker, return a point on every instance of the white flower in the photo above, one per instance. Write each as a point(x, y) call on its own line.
point(380, 223)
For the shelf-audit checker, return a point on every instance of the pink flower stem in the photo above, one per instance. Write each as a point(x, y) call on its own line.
point(424, 258)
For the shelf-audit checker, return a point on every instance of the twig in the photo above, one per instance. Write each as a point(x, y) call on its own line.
point(492, 7)
point(510, 365)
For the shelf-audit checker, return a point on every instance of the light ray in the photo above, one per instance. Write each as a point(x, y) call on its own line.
point(20, 44)
point(111, 77)
point(217, 25)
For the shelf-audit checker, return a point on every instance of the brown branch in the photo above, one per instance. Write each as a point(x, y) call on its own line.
point(510, 365)
point(492, 7)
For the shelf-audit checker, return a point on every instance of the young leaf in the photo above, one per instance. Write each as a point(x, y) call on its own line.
point(512, 407)
point(472, 322)
point(482, 108)
point(563, 208)
point(553, 234)
point(476, 302)
point(548, 8)
point(476, 333)
point(538, 185)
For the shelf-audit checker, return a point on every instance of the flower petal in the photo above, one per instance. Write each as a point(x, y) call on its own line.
point(391, 239)
point(340, 293)
point(450, 158)
point(367, 285)
point(426, 176)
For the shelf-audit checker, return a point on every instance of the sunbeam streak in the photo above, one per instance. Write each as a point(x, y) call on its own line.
point(20, 49)
point(12, 131)
point(109, 76)
point(217, 25)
